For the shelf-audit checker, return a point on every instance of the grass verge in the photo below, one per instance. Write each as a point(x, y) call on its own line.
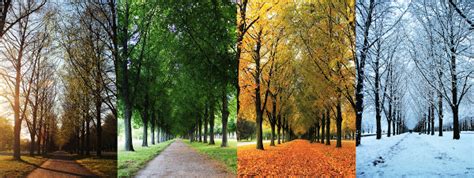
point(130, 162)
point(227, 155)
point(99, 166)
point(12, 168)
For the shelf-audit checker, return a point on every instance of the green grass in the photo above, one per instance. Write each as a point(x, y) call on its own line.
point(227, 156)
point(100, 167)
point(12, 168)
point(130, 162)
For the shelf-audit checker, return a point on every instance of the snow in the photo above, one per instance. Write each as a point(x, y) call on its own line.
point(414, 155)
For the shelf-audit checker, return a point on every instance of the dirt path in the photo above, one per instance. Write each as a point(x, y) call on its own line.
point(61, 165)
point(179, 160)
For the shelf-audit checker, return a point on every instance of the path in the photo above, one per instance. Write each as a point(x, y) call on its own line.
point(179, 160)
point(298, 158)
point(416, 155)
point(61, 164)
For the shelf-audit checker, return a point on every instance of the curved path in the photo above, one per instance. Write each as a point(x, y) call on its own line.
point(179, 160)
point(61, 165)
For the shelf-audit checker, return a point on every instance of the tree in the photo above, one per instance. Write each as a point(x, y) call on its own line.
point(447, 32)
point(23, 68)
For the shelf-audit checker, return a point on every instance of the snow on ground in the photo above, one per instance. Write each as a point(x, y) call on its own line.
point(415, 155)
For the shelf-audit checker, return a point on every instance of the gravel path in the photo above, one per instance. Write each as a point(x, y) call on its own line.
point(61, 165)
point(179, 160)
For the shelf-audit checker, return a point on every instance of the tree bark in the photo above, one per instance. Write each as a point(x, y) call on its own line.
point(440, 109)
point(88, 133)
point(125, 83)
point(328, 127)
point(211, 124)
point(98, 107)
point(339, 123)
point(378, 115)
point(279, 128)
point(206, 118)
point(145, 127)
point(152, 127)
point(323, 126)
point(82, 134)
point(199, 127)
point(225, 117)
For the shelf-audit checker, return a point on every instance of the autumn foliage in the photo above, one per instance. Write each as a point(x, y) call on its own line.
point(297, 158)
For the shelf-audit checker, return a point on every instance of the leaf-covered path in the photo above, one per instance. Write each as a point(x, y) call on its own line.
point(297, 158)
point(179, 160)
point(61, 165)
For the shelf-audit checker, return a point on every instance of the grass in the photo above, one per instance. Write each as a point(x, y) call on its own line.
point(227, 156)
point(130, 162)
point(12, 168)
point(100, 167)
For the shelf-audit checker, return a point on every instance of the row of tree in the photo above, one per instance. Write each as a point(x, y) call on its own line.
point(175, 68)
point(434, 39)
point(58, 72)
point(89, 80)
point(29, 83)
point(296, 67)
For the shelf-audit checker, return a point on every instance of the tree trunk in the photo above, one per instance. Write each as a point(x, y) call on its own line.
point(158, 131)
point(199, 127)
point(328, 127)
point(206, 118)
point(360, 64)
point(339, 123)
point(152, 128)
point(429, 121)
point(33, 129)
point(225, 117)
point(145, 128)
point(82, 147)
point(272, 140)
point(378, 115)
point(98, 108)
point(279, 128)
point(125, 94)
point(211, 124)
point(88, 138)
point(318, 136)
point(16, 110)
point(454, 91)
point(393, 126)
point(323, 126)
point(40, 135)
point(440, 113)
point(456, 132)
point(432, 119)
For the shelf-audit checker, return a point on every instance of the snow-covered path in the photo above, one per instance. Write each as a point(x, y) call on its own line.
point(416, 155)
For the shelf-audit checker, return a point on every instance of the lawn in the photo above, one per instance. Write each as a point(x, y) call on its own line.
point(100, 167)
point(12, 168)
point(129, 162)
point(227, 156)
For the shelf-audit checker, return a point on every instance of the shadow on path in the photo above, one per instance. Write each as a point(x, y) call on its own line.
point(61, 164)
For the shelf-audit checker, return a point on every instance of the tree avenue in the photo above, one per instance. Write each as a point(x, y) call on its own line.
point(297, 70)
point(417, 66)
point(58, 80)
point(176, 70)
